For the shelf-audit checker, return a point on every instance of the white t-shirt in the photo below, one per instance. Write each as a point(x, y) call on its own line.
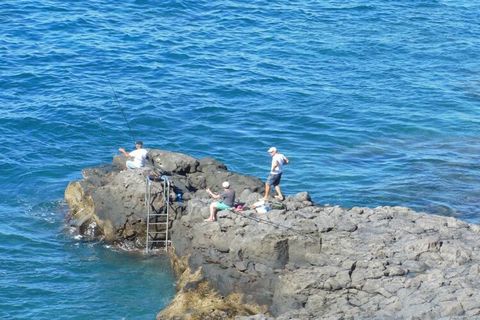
point(280, 159)
point(139, 156)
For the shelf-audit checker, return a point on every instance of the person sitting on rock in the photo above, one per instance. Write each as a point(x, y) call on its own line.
point(227, 199)
point(139, 155)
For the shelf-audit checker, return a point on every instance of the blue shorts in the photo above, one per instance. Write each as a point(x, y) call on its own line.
point(274, 179)
point(222, 206)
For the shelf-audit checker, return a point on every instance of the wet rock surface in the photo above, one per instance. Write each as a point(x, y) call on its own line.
point(298, 261)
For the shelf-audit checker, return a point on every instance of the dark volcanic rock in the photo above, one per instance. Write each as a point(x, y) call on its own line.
point(172, 162)
point(301, 261)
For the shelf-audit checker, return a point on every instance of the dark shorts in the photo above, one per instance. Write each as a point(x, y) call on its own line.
point(274, 179)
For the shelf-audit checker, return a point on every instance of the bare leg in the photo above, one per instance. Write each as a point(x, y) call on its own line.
point(267, 191)
point(279, 192)
point(213, 212)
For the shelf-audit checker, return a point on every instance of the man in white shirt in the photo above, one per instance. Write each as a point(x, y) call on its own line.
point(139, 155)
point(276, 170)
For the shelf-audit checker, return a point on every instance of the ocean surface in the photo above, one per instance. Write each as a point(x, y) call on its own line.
point(374, 102)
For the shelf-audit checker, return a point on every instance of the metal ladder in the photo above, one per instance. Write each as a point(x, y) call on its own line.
point(154, 220)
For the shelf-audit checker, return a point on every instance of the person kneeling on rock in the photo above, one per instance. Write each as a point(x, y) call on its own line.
point(227, 199)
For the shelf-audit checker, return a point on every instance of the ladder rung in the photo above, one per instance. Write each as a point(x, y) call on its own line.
point(158, 219)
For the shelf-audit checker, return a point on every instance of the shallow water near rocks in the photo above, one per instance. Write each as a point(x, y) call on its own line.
point(374, 104)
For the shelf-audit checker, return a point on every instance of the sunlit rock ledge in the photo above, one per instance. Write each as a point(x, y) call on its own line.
point(305, 261)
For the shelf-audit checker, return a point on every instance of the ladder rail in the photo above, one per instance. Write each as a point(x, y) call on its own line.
point(165, 213)
point(166, 197)
point(147, 203)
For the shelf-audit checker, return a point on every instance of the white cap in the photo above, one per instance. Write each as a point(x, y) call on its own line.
point(272, 149)
point(226, 185)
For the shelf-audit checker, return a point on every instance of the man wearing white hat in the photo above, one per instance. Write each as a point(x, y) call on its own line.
point(276, 170)
point(227, 198)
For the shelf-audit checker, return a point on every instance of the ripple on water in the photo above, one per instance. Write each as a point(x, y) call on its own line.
point(374, 104)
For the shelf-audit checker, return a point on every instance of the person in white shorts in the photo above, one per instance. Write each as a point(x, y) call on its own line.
point(139, 156)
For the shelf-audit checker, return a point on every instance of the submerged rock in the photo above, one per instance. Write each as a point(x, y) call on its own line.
point(298, 261)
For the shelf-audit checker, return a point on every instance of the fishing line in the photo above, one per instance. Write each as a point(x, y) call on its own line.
point(122, 111)
point(99, 120)
point(101, 125)
point(276, 225)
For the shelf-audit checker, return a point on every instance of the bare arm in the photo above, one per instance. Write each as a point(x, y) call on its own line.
point(213, 195)
point(125, 153)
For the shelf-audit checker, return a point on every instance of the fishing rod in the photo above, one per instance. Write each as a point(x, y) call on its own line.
point(273, 224)
point(276, 225)
point(122, 111)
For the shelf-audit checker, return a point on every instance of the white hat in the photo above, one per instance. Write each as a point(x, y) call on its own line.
point(272, 149)
point(226, 185)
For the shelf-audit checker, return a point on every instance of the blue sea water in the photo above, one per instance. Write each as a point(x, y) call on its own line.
point(375, 103)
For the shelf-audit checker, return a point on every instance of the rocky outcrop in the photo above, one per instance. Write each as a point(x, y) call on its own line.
point(298, 261)
point(109, 202)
